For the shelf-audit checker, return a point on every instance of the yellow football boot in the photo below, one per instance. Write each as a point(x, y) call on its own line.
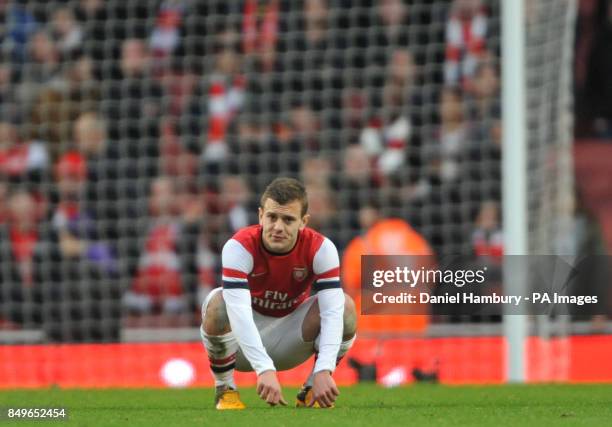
point(227, 398)
point(304, 397)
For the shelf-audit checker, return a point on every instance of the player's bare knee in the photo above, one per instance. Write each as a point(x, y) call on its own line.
point(349, 319)
point(312, 323)
point(215, 320)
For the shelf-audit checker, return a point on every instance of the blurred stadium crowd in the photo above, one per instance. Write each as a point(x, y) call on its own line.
point(135, 137)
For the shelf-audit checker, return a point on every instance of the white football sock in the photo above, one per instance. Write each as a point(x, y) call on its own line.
point(221, 351)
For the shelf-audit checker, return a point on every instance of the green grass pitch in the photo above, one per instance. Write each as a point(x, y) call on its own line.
point(363, 405)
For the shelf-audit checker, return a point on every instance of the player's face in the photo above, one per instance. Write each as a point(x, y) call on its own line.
point(281, 224)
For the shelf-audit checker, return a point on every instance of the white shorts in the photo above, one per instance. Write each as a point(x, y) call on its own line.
point(281, 337)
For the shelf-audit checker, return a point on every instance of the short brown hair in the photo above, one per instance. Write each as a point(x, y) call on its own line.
point(284, 191)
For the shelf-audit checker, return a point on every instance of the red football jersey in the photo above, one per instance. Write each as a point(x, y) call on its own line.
point(279, 283)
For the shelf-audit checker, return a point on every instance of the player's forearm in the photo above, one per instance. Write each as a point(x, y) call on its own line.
point(240, 314)
point(331, 307)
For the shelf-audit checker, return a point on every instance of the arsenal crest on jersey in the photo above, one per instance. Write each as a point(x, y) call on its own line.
point(300, 273)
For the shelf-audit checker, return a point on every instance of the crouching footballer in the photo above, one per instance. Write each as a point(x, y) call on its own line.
point(264, 318)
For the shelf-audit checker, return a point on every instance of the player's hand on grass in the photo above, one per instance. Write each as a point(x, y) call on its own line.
point(269, 389)
point(324, 389)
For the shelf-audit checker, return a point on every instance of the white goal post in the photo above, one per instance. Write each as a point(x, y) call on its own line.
point(537, 52)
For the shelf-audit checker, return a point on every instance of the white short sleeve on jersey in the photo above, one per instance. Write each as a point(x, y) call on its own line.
point(236, 257)
point(326, 257)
